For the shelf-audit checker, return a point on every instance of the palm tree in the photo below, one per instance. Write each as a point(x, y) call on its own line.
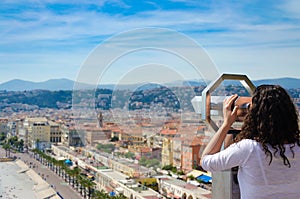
point(100, 195)
point(74, 174)
point(60, 164)
point(120, 196)
point(90, 185)
point(7, 148)
point(67, 174)
point(77, 182)
point(21, 145)
point(82, 184)
point(64, 168)
point(52, 163)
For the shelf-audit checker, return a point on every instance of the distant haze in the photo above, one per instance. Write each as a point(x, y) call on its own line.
point(66, 84)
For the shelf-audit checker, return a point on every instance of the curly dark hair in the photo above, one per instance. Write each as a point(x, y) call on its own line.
point(272, 121)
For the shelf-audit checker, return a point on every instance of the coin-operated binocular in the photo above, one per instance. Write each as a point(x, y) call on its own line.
point(225, 185)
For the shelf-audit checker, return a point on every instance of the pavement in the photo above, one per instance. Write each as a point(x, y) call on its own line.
point(60, 186)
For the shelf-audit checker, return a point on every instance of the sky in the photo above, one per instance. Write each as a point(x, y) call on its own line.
point(50, 39)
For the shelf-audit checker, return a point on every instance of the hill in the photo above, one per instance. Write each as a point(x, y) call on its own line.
point(288, 83)
point(66, 84)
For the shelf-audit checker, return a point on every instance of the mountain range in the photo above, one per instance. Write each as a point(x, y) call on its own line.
point(67, 84)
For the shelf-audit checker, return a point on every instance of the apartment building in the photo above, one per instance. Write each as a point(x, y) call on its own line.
point(55, 132)
point(177, 152)
point(132, 137)
point(4, 125)
point(147, 152)
point(191, 149)
point(38, 132)
point(167, 152)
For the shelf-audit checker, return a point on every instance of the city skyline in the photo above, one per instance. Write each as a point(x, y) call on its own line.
point(44, 40)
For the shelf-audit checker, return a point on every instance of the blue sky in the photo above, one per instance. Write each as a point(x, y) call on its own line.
point(46, 39)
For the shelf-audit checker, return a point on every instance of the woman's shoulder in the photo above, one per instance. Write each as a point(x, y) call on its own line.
point(248, 143)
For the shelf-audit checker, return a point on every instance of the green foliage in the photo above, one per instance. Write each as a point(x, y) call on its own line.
point(153, 163)
point(191, 177)
point(143, 161)
point(173, 169)
point(149, 182)
point(114, 139)
point(13, 143)
point(104, 98)
point(168, 167)
point(149, 162)
point(41, 98)
point(129, 155)
point(7, 149)
point(107, 148)
point(2, 136)
point(180, 172)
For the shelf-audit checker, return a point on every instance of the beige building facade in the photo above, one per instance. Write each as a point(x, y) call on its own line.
point(38, 131)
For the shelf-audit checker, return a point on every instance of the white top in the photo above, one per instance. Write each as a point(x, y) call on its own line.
point(258, 179)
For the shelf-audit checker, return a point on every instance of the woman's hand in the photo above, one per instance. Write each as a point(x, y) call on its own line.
point(229, 114)
point(215, 144)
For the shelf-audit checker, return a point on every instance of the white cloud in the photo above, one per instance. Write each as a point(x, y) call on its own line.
point(219, 29)
point(291, 8)
point(49, 26)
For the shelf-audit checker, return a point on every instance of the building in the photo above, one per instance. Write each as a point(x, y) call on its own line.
point(149, 153)
point(177, 152)
point(115, 182)
point(38, 132)
point(4, 125)
point(191, 149)
point(173, 188)
point(73, 137)
point(55, 132)
point(96, 135)
point(132, 136)
point(169, 132)
point(167, 152)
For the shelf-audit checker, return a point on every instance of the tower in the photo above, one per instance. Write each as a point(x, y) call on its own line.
point(100, 120)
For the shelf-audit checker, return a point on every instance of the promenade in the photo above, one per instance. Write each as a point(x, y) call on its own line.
point(58, 184)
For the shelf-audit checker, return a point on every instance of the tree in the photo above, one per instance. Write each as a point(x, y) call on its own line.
point(149, 162)
point(169, 167)
point(114, 139)
point(129, 155)
point(143, 161)
point(2, 136)
point(100, 195)
point(90, 187)
point(108, 148)
point(191, 177)
point(153, 163)
point(21, 145)
point(7, 148)
point(73, 173)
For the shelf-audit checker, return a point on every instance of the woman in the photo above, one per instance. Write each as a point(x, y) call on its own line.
point(267, 150)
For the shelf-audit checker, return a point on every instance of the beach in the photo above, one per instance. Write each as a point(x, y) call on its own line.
point(14, 184)
point(17, 180)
